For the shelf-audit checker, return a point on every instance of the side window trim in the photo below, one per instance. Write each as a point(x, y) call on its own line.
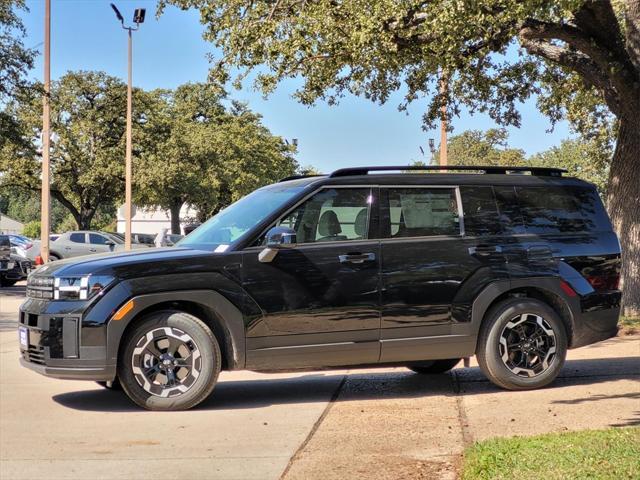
point(386, 216)
point(372, 193)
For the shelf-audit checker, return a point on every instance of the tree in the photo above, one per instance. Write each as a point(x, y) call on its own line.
point(584, 159)
point(475, 147)
point(201, 153)
point(88, 124)
point(15, 61)
point(581, 57)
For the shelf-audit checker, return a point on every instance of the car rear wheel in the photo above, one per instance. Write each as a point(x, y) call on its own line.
point(435, 366)
point(169, 361)
point(522, 344)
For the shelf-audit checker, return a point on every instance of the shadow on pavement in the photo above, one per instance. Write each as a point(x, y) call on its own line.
point(229, 395)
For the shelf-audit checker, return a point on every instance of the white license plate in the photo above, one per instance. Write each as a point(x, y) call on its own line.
point(10, 265)
point(24, 337)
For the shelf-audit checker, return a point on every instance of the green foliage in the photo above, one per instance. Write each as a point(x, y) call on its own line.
point(598, 454)
point(87, 154)
point(24, 205)
point(15, 62)
point(32, 229)
point(474, 147)
point(584, 159)
point(199, 152)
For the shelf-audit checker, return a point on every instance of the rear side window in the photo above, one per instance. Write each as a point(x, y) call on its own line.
point(561, 210)
point(480, 211)
point(77, 237)
point(508, 210)
point(421, 212)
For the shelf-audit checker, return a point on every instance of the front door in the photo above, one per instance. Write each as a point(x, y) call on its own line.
point(320, 299)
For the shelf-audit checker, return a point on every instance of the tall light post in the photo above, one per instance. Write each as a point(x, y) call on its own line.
point(138, 18)
point(45, 204)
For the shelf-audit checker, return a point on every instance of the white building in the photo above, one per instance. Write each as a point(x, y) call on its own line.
point(9, 225)
point(153, 220)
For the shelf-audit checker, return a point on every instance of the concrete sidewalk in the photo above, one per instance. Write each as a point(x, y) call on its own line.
point(392, 424)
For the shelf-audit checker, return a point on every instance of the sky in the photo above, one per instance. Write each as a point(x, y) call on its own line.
point(170, 51)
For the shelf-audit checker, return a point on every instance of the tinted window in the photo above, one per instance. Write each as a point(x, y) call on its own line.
point(77, 237)
point(561, 209)
point(480, 211)
point(96, 239)
point(334, 214)
point(419, 212)
point(508, 210)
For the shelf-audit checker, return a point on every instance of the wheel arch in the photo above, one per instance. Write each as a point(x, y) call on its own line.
point(547, 290)
point(224, 319)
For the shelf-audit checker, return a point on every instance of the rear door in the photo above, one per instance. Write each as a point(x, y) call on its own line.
point(433, 266)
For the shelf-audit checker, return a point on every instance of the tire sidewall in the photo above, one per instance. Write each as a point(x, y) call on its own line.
point(209, 351)
point(490, 359)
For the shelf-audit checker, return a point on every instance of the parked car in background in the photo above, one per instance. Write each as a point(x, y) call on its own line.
point(5, 256)
point(77, 243)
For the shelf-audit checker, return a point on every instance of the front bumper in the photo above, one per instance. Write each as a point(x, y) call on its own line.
point(55, 346)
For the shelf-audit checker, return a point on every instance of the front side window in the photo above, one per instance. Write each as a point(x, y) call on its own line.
point(96, 239)
point(77, 238)
point(331, 215)
point(422, 212)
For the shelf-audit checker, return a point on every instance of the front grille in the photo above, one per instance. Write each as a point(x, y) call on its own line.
point(40, 287)
point(34, 354)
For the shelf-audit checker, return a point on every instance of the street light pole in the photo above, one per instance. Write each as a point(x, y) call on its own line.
point(138, 18)
point(45, 216)
point(128, 168)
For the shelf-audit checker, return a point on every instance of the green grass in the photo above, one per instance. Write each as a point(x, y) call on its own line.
point(630, 324)
point(593, 454)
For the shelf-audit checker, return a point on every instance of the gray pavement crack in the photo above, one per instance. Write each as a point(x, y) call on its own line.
point(315, 427)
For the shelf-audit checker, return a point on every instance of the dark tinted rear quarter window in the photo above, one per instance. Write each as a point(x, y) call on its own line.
point(508, 211)
point(561, 209)
point(480, 211)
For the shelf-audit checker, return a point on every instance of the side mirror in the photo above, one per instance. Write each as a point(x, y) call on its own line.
point(109, 243)
point(277, 238)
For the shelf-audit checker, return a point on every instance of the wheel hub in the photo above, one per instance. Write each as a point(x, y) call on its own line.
point(166, 362)
point(528, 345)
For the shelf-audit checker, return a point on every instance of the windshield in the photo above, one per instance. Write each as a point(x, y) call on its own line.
point(233, 222)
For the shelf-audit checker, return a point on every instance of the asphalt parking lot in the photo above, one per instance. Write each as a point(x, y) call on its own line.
point(384, 423)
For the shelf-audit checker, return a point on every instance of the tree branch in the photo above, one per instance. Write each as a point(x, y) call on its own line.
point(577, 62)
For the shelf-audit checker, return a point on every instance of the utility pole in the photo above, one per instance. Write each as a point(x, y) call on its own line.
point(138, 18)
point(45, 216)
point(443, 121)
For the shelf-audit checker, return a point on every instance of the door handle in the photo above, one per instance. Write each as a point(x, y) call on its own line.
point(484, 250)
point(357, 257)
point(92, 250)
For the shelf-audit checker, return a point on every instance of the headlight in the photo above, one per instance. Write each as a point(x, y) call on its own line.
point(79, 288)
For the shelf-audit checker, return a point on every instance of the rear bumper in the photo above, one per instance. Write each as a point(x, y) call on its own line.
point(598, 320)
point(105, 374)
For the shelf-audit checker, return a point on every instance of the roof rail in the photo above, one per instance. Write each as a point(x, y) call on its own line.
point(488, 169)
point(296, 177)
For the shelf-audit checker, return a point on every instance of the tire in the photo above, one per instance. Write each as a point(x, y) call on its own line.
point(53, 258)
point(148, 355)
point(522, 344)
point(113, 385)
point(435, 366)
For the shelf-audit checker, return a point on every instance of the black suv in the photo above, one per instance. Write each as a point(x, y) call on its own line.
point(363, 267)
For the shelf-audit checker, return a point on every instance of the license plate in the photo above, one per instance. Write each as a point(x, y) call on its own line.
point(23, 332)
point(10, 265)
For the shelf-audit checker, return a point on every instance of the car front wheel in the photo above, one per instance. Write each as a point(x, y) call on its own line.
point(169, 361)
point(522, 344)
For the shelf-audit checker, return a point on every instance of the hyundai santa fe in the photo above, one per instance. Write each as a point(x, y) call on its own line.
point(367, 266)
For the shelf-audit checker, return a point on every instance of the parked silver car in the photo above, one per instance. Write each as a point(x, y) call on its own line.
point(77, 243)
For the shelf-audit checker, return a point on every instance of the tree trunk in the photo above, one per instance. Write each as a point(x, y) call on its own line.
point(175, 216)
point(623, 204)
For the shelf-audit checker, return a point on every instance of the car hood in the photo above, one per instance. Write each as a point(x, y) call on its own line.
point(111, 263)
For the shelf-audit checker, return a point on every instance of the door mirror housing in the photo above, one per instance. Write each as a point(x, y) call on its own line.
point(109, 243)
point(277, 238)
